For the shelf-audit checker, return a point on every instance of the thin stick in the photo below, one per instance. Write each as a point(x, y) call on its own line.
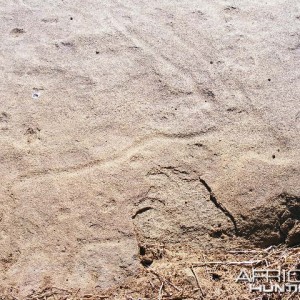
point(77, 292)
point(152, 285)
point(269, 249)
point(98, 296)
point(173, 285)
point(198, 283)
point(243, 251)
point(160, 291)
point(291, 295)
point(237, 263)
point(162, 279)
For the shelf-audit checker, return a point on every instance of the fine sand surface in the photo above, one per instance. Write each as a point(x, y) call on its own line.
point(127, 127)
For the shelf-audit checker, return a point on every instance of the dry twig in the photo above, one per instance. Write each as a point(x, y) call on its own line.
point(198, 283)
point(236, 263)
point(160, 291)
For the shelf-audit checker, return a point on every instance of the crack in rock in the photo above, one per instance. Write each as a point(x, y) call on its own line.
point(142, 210)
point(218, 205)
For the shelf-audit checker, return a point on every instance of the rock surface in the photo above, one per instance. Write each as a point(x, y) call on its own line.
point(129, 123)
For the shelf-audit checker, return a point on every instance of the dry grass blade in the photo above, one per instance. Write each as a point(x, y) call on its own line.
point(163, 280)
point(160, 291)
point(291, 295)
point(198, 283)
point(237, 263)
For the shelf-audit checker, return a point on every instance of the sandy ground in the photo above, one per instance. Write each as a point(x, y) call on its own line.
point(131, 126)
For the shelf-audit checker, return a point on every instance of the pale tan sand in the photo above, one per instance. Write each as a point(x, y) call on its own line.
point(127, 123)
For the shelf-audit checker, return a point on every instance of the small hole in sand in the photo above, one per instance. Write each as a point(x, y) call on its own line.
point(146, 262)
point(142, 250)
point(215, 277)
point(35, 95)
